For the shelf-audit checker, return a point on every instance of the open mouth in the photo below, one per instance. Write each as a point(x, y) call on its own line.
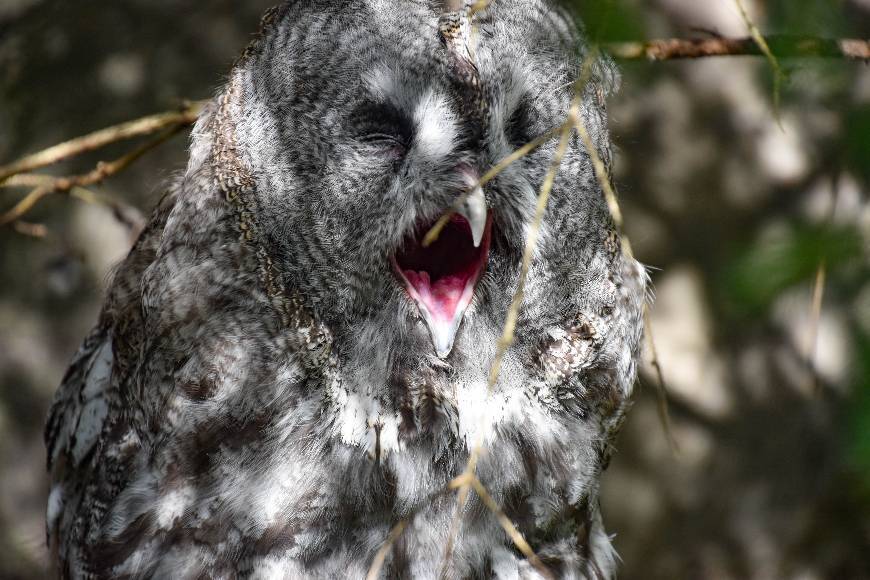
point(442, 276)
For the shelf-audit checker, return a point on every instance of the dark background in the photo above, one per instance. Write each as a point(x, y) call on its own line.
point(735, 213)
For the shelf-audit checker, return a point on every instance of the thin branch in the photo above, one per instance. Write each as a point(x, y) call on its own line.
point(101, 172)
point(765, 49)
point(30, 229)
point(603, 177)
point(463, 484)
point(479, 6)
point(661, 387)
point(783, 46)
point(507, 337)
point(126, 214)
point(37, 180)
point(819, 294)
point(98, 139)
point(381, 556)
point(396, 531)
point(815, 317)
point(511, 529)
point(433, 233)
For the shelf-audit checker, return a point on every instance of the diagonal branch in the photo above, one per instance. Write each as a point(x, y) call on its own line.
point(381, 556)
point(511, 530)
point(778, 75)
point(783, 46)
point(603, 177)
point(507, 337)
point(99, 139)
point(101, 172)
point(661, 386)
point(491, 174)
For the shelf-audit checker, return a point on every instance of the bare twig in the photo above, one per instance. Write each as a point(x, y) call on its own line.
point(507, 337)
point(98, 139)
point(603, 178)
point(479, 6)
point(782, 46)
point(36, 180)
point(101, 172)
point(765, 49)
point(511, 530)
point(815, 316)
point(29, 229)
point(400, 527)
point(661, 387)
point(381, 556)
point(433, 233)
point(125, 213)
point(819, 294)
point(463, 485)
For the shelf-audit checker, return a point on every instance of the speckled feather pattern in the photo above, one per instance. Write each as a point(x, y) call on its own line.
point(260, 397)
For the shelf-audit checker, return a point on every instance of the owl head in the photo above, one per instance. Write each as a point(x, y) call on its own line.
point(364, 122)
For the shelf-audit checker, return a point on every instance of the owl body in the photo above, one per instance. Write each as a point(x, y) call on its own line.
point(283, 371)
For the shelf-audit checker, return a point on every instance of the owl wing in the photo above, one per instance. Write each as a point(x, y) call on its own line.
point(74, 429)
point(80, 404)
point(87, 407)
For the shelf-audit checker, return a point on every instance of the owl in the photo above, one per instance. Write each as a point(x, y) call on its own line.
point(283, 370)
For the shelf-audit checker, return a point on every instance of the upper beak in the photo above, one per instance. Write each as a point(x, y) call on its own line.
point(473, 208)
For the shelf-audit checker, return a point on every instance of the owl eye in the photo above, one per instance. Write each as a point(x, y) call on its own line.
point(383, 126)
point(520, 129)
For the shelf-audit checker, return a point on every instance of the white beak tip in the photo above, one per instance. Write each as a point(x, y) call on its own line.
point(474, 210)
point(442, 340)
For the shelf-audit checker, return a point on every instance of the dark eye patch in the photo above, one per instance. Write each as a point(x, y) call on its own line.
point(382, 124)
point(521, 125)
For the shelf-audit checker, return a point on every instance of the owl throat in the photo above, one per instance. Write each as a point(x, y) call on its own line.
point(441, 277)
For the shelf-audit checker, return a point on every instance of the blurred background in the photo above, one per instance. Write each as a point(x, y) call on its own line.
point(733, 211)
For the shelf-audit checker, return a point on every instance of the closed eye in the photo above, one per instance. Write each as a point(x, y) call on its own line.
point(381, 124)
point(519, 128)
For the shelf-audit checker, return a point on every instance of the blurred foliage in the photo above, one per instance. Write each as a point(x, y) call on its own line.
point(858, 435)
point(610, 20)
point(784, 258)
point(856, 156)
point(811, 17)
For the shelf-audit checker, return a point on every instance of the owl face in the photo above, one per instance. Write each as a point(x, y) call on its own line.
point(363, 130)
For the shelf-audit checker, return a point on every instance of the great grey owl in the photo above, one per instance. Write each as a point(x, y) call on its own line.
point(282, 370)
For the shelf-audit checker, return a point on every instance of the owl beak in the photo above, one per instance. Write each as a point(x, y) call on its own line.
point(473, 209)
point(443, 334)
point(441, 277)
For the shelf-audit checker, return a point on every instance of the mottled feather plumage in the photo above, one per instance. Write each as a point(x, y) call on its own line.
point(260, 397)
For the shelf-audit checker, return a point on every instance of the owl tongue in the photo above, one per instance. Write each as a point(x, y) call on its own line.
point(441, 277)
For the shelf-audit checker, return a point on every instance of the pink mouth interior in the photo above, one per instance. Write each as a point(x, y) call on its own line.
point(442, 276)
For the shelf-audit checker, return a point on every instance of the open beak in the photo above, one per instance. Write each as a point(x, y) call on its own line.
point(441, 277)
